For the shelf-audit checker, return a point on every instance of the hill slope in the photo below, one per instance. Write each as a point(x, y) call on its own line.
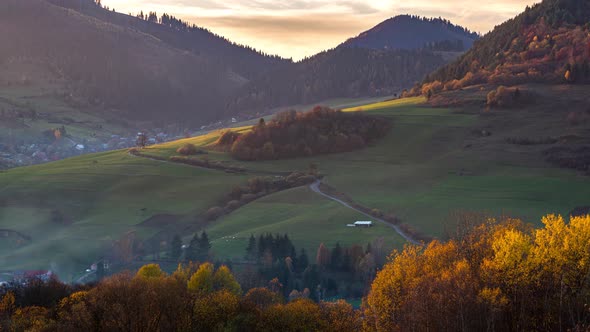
point(434, 165)
point(411, 32)
point(96, 63)
point(243, 60)
point(341, 72)
point(542, 44)
point(380, 62)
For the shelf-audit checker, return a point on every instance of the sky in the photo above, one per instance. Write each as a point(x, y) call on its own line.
point(299, 28)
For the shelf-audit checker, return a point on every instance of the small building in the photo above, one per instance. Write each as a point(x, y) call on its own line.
point(363, 224)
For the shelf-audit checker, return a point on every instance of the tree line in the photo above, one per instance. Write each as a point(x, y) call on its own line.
point(193, 298)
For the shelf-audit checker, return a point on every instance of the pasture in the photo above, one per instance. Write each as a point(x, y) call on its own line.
point(435, 164)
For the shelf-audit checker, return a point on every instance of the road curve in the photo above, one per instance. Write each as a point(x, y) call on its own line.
point(316, 188)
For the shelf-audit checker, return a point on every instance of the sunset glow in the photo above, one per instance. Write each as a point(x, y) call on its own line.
point(295, 29)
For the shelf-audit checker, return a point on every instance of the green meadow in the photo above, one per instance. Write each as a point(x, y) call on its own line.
point(435, 164)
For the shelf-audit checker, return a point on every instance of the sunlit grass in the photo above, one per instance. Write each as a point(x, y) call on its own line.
point(404, 102)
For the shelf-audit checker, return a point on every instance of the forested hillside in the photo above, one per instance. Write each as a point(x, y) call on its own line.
point(341, 72)
point(90, 62)
point(149, 68)
point(546, 43)
point(242, 59)
point(413, 32)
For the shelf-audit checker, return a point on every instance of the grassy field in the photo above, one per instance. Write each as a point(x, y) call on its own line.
point(101, 197)
point(434, 164)
point(307, 217)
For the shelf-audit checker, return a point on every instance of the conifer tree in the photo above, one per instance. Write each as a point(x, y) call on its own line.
point(176, 247)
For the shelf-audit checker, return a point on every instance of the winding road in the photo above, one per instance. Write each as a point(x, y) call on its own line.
point(316, 188)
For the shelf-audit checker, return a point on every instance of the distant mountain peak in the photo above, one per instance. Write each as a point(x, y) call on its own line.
point(413, 32)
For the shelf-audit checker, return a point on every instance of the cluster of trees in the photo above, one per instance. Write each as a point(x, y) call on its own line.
point(503, 276)
point(503, 97)
point(493, 276)
point(572, 157)
point(319, 131)
point(546, 43)
point(193, 298)
point(340, 271)
point(198, 249)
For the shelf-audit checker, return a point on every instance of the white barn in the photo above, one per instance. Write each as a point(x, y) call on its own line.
point(363, 224)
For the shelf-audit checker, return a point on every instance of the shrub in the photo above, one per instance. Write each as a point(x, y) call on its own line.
point(247, 198)
point(227, 138)
point(233, 205)
point(377, 213)
point(214, 213)
point(504, 97)
point(187, 149)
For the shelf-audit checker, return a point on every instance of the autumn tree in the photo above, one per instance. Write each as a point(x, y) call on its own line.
point(150, 271)
point(323, 256)
point(202, 280)
point(223, 279)
point(498, 275)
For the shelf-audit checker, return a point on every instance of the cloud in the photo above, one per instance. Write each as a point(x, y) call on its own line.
point(298, 28)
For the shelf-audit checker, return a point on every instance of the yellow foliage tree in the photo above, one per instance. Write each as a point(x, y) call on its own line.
point(215, 311)
point(224, 280)
point(150, 271)
point(202, 280)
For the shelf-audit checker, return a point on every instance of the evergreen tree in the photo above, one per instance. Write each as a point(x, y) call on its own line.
point(192, 252)
point(176, 247)
point(293, 256)
point(303, 260)
point(251, 249)
point(261, 246)
point(336, 257)
point(203, 247)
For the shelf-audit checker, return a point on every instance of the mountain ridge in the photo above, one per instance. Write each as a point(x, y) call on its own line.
point(393, 34)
